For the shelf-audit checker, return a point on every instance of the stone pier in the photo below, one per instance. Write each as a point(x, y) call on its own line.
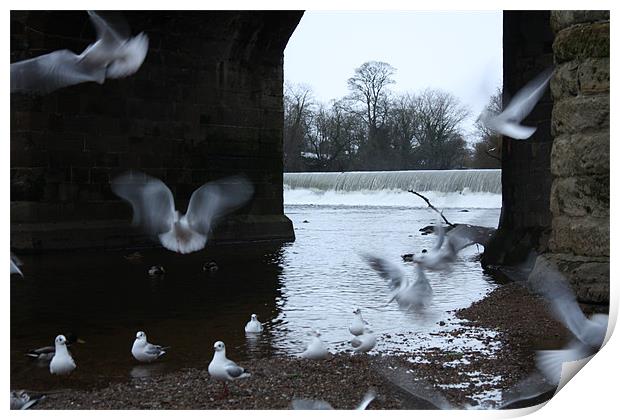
point(206, 103)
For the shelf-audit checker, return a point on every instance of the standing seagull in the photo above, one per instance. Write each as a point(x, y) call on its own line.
point(365, 342)
point(589, 333)
point(143, 351)
point(357, 326)
point(154, 209)
point(62, 363)
point(254, 325)
point(224, 369)
point(508, 122)
point(316, 349)
point(112, 56)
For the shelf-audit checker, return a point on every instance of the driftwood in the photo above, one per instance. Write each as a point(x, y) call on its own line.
point(476, 235)
point(432, 207)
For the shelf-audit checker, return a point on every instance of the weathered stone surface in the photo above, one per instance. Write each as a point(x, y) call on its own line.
point(561, 19)
point(564, 82)
point(581, 196)
point(580, 154)
point(581, 42)
point(587, 236)
point(588, 77)
point(594, 76)
point(580, 113)
point(588, 276)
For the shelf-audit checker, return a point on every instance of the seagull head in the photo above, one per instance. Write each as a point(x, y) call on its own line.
point(253, 316)
point(141, 335)
point(219, 346)
point(357, 311)
point(61, 340)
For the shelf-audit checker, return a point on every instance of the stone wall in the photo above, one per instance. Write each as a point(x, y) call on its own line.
point(206, 103)
point(579, 242)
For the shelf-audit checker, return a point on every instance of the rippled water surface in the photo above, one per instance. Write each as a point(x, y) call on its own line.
point(312, 283)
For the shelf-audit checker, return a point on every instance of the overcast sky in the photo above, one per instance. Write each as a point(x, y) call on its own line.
point(460, 52)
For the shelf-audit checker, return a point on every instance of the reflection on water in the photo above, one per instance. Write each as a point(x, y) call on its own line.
point(314, 283)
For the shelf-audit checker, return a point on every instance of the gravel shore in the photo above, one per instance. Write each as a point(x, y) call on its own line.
point(429, 378)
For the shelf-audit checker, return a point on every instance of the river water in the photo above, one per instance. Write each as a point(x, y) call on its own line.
point(313, 283)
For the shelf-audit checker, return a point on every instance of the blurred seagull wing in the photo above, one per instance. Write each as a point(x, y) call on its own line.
point(302, 404)
point(133, 55)
point(368, 398)
point(527, 97)
point(215, 199)
point(52, 71)
point(150, 198)
point(386, 270)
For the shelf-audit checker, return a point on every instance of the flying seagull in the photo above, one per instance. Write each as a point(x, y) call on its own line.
point(154, 208)
point(589, 333)
point(112, 56)
point(408, 294)
point(508, 122)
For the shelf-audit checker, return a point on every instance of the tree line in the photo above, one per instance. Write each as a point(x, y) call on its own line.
point(374, 129)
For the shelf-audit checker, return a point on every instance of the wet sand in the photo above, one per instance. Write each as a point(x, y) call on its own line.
point(426, 379)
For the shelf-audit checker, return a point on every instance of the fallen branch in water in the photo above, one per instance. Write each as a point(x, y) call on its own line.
point(432, 207)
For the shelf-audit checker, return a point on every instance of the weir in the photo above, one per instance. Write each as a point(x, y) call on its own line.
point(470, 180)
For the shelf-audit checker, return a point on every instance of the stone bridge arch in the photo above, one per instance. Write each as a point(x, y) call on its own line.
point(208, 103)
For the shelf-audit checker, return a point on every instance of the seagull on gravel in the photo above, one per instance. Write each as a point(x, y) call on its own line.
point(62, 363)
point(224, 369)
point(365, 342)
point(154, 209)
point(589, 333)
point(143, 351)
point(254, 325)
point(21, 400)
point(304, 404)
point(406, 293)
point(112, 56)
point(357, 326)
point(508, 122)
point(316, 350)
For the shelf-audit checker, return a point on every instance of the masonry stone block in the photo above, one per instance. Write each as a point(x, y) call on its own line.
point(561, 19)
point(580, 113)
point(580, 154)
point(581, 42)
point(587, 236)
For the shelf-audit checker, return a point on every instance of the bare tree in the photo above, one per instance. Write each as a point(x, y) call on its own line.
point(438, 132)
point(488, 149)
point(298, 103)
point(370, 101)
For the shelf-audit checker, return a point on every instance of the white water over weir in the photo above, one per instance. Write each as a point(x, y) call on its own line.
point(458, 180)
